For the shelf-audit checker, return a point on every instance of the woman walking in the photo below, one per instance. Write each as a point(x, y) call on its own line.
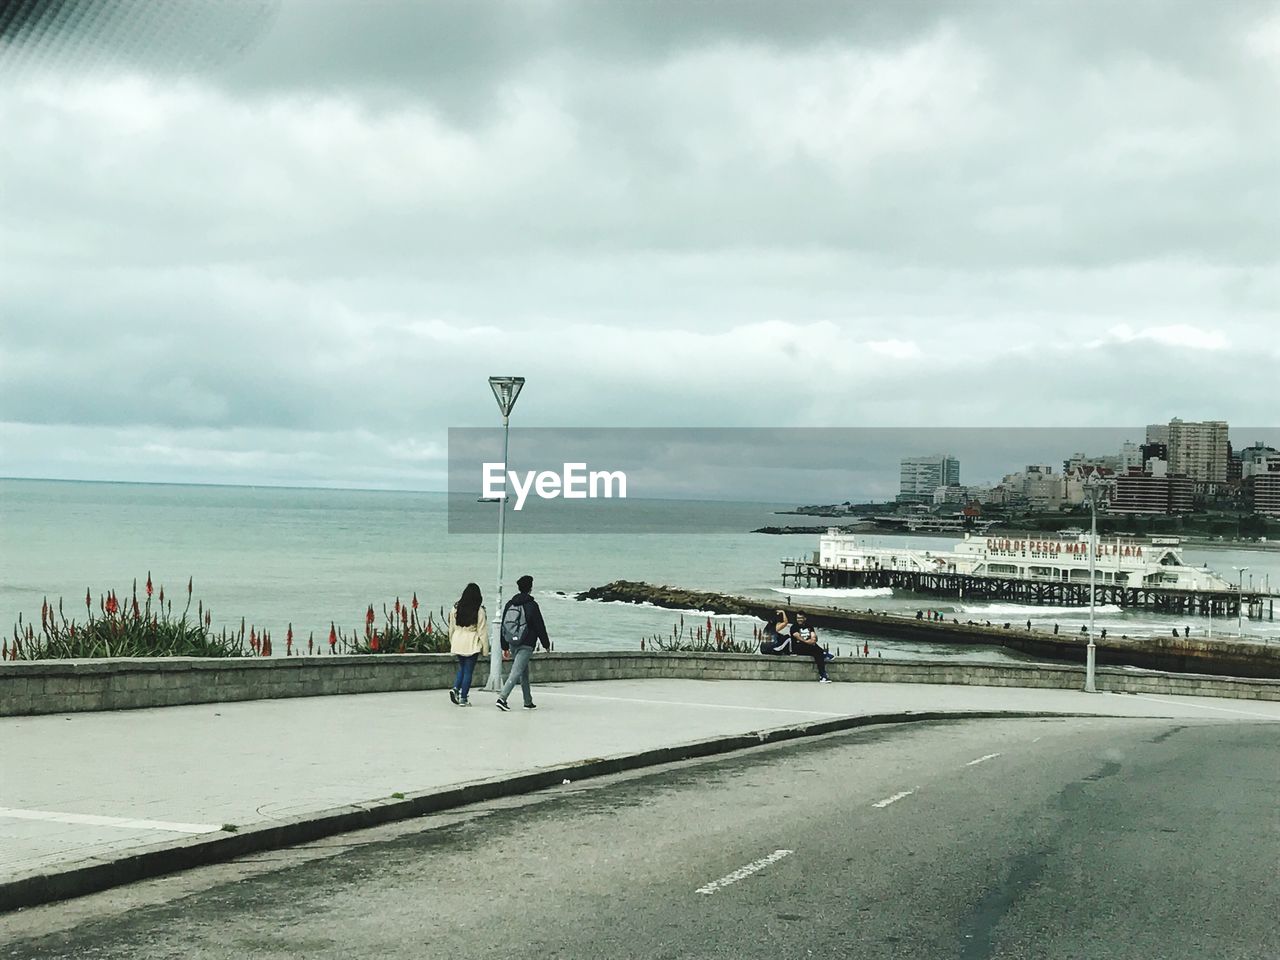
point(468, 640)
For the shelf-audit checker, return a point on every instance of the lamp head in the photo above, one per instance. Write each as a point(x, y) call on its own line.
point(505, 391)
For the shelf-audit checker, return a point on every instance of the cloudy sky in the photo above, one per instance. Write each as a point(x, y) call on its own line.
point(258, 242)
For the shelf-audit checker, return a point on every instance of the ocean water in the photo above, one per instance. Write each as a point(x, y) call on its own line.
point(307, 557)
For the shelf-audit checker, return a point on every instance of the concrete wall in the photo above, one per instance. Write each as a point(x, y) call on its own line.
point(68, 686)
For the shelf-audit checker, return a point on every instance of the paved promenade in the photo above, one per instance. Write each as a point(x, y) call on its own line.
point(97, 787)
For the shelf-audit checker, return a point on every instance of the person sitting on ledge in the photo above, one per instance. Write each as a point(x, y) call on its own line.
point(804, 641)
point(777, 635)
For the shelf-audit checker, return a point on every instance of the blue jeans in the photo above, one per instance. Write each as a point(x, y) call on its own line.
point(519, 673)
point(466, 667)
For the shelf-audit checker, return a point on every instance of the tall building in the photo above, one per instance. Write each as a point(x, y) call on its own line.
point(921, 476)
point(1154, 450)
point(1158, 433)
point(1257, 459)
point(1264, 494)
point(1139, 492)
point(1130, 457)
point(1262, 486)
point(1198, 450)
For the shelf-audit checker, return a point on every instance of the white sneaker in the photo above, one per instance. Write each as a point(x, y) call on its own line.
point(824, 679)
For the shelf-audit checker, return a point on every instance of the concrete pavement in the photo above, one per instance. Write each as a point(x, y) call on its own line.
point(1084, 837)
point(81, 792)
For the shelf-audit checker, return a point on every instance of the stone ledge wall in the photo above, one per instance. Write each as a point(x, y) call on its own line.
point(70, 686)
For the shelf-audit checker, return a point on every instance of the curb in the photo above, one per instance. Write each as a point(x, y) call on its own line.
point(98, 873)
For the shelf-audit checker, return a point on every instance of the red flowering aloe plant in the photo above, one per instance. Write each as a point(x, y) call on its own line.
point(124, 629)
point(401, 632)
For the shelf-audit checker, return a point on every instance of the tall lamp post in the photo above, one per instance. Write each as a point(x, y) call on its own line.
point(505, 391)
point(1240, 604)
point(1091, 652)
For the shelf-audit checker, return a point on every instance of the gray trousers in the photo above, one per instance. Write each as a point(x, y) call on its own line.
point(519, 672)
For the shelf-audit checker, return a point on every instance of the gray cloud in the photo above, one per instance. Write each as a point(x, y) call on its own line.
point(325, 221)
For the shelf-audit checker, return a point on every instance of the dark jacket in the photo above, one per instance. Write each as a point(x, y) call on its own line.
point(535, 627)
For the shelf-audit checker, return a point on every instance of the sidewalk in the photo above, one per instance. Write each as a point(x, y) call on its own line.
point(91, 788)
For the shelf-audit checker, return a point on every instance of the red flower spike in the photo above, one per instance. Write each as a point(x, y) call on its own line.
point(368, 617)
point(162, 594)
point(415, 602)
point(397, 606)
point(333, 634)
point(149, 587)
point(373, 643)
point(112, 604)
point(88, 601)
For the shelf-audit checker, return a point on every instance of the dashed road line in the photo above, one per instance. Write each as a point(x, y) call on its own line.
point(93, 820)
point(989, 756)
point(743, 872)
point(881, 804)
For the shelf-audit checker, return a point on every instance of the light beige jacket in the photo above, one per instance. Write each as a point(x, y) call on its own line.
point(465, 641)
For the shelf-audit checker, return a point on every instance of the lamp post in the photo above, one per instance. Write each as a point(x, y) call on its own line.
point(505, 391)
point(1240, 604)
point(1091, 652)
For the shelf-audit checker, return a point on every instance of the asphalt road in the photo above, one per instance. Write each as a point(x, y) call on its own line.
point(1090, 838)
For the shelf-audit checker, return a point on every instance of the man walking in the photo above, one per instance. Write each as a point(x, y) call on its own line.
point(522, 628)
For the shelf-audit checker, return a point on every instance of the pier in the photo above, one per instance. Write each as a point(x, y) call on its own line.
point(1216, 603)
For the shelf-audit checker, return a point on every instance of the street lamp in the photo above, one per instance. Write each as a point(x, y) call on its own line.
point(1091, 652)
point(505, 391)
point(1240, 603)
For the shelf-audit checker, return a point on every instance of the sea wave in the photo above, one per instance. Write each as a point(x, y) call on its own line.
point(1034, 611)
point(834, 591)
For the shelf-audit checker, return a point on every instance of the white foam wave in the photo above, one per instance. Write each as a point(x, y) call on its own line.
point(1027, 610)
point(834, 591)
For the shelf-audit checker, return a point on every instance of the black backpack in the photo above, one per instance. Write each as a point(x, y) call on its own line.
point(514, 625)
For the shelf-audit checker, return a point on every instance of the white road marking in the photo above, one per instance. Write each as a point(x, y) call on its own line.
point(92, 820)
point(680, 703)
point(989, 756)
point(1199, 706)
point(881, 804)
point(743, 872)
